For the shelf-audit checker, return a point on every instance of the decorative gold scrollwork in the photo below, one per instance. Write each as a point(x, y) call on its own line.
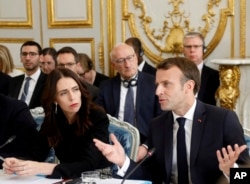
point(168, 38)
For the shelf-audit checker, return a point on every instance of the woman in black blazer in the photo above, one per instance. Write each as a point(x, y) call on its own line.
point(71, 122)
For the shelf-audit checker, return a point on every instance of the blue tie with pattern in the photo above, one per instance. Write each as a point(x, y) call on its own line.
point(25, 89)
point(182, 153)
point(129, 111)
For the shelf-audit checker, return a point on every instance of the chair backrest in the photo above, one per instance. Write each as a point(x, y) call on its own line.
point(247, 137)
point(127, 135)
point(38, 115)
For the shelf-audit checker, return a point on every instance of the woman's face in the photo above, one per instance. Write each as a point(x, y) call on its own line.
point(68, 96)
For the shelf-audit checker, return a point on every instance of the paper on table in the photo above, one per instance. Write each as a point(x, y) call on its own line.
point(115, 181)
point(14, 179)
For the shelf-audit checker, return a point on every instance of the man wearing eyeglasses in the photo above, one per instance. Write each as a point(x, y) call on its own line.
point(193, 49)
point(29, 87)
point(113, 92)
point(68, 57)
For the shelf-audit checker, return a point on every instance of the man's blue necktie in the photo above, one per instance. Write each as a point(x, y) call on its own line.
point(25, 89)
point(129, 110)
point(182, 153)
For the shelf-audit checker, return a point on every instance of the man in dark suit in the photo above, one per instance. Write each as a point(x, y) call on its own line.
point(207, 129)
point(4, 83)
point(142, 64)
point(68, 57)
point(30, 57)
point(113, 91)
point(17, 123)
point(193, 49)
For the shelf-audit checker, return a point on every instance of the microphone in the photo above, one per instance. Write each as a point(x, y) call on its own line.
point(149, 154)
point(8, 141)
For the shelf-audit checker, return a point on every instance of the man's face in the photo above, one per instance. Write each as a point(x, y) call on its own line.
point(67, 60)
point(125, 61)
point(193, 49)
point(171, 93)
point(30, 58)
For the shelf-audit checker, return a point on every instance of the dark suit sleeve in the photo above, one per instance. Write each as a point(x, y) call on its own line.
point(234, 134)
point(18, 121)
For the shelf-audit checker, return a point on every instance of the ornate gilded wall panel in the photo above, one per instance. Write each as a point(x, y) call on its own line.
point(85, 45)
point(80, 16)
point(163, 29)
point(17, 15)
point(14, 45)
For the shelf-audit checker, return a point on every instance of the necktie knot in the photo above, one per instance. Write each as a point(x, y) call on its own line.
point(28, 79)
point(181, 121)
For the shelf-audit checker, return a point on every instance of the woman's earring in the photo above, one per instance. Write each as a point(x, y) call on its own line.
point(55, 108)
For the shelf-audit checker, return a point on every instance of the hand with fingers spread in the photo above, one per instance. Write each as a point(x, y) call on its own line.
point(227, 157)
point(113, 152)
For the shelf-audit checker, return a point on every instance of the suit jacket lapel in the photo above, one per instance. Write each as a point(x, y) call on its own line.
point(168, 143)
point(116, 90)
point(197, 130)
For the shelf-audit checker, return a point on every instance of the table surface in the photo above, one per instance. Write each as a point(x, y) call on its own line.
point(14, 179)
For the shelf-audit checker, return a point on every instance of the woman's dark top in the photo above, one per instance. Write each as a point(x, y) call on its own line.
point(79, 153)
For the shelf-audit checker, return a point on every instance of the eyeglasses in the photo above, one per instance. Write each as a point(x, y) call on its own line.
point(122, 60)
point(192, 46)
point(46, 63)
point(66, 65)
point(31, 54)
point(84, 73)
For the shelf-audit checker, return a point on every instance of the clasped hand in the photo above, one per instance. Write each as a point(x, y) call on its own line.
point(20, 167)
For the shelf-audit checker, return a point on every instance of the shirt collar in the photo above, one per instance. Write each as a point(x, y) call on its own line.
point(140, 67)
point(200, 66)
point(35, 75)
point(189, 114)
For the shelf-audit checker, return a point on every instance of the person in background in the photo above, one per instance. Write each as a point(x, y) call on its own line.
point(213, 137)
point(87, 71)
point(193, 49)
point(142, 64)
point(18, 134)
point(29, 86)
point(71, 121)
point(48, 60)
point(67, 57)
point(113, 93)
point(6, 62)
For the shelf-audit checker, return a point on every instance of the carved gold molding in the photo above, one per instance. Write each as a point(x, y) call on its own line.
point(90, 41)
point(228, 91)
point(53, 23)
point(101, 44)
point(15, 40)
point(169, 37)
point(20, 23)
point(243, 28)
point(111, 29)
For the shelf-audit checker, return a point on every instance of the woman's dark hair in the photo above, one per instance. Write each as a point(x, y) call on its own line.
point(50, 51)
point(54, 116)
